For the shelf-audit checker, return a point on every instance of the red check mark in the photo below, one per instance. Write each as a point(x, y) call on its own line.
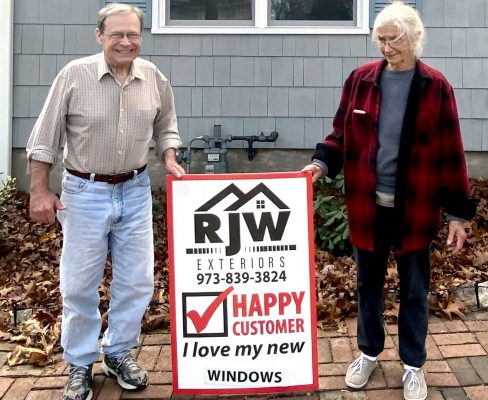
point(201, 322)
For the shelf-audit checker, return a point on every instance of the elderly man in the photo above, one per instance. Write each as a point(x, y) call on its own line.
point(108, 107)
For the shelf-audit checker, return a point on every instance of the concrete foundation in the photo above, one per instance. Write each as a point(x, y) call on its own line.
point(266, 160)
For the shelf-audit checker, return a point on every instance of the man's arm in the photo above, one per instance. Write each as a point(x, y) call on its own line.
point(165, 127)
point(43, 203)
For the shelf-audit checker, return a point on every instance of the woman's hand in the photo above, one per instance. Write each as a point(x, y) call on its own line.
point(316, 171)
point(456, 236)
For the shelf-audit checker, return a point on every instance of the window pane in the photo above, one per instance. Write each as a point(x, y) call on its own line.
point(312, 10)
point(201, 10)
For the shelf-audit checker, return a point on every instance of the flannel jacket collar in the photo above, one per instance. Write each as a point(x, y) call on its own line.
point(374, 74)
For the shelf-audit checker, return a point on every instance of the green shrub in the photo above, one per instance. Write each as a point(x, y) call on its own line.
point(330, 216)
point(7, 193)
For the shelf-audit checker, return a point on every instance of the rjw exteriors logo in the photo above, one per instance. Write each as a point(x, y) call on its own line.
point(208, 226)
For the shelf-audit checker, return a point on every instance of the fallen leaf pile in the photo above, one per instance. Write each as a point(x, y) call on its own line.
point(453, 275)
point(39, 340)
point(30, 307)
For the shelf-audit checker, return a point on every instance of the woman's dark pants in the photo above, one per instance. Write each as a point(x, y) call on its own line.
point(414, 272)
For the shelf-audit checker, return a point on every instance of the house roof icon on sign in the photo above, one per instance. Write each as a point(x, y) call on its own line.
point(242, 198)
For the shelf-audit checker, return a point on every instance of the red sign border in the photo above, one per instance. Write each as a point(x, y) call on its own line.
point(174, 359)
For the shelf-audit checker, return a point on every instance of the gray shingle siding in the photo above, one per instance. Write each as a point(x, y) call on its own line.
point(252, 83)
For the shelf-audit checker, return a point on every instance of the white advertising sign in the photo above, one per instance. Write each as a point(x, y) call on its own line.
point(242, 283)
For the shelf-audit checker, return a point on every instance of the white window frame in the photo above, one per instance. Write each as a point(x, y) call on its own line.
point(260, 23)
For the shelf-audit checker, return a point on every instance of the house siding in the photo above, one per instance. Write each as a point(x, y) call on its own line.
point(252, 83)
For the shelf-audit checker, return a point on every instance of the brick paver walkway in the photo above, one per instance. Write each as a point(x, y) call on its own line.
point(456, 368)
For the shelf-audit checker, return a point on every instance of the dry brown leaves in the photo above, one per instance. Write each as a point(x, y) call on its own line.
point(29, 261)
point(336, 298)
point(39, 340)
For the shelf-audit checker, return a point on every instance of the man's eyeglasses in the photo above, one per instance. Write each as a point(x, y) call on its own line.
point(132, 36)
point(392, 42)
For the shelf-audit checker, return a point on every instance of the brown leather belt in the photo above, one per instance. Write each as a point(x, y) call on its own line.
point(112, 179)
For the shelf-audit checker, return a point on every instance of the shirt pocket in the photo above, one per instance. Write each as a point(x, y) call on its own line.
point(143, 125)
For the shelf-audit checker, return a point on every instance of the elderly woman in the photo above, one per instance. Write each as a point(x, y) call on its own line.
point(396, 134)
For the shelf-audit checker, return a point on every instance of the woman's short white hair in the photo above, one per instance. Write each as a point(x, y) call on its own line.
point(408, 22)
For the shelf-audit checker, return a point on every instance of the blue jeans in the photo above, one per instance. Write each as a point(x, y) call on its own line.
point(100, 217)
point(414, 272)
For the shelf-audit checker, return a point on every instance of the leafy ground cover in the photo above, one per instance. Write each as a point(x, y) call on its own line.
point(30, 300)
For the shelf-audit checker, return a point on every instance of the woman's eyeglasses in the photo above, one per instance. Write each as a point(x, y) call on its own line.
point(392, 42)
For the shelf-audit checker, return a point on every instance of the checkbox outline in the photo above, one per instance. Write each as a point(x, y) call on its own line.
point(186, 334)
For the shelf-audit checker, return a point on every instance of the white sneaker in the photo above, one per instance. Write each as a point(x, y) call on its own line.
point(359, 371)
point(414, 386)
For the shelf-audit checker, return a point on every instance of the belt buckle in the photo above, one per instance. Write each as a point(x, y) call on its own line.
point(110, 179)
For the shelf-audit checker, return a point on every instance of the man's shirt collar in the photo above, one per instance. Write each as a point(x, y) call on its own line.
point(135, 69)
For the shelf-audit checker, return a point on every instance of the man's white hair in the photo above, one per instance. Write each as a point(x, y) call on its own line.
point(118, 8)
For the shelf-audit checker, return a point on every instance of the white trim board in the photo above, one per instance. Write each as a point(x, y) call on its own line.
point(6, 74)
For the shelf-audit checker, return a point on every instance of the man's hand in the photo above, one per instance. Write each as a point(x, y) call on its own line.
point(316, 171)
point(172, 166)
point(43, 203)
point(456, 236)
point(43, 206)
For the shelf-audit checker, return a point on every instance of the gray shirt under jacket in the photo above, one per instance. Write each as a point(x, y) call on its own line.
point(395, 87)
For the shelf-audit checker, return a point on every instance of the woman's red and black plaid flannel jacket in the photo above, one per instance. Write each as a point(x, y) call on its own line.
point(431, 170)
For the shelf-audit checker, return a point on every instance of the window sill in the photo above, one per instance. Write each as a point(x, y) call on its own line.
point(252, 30)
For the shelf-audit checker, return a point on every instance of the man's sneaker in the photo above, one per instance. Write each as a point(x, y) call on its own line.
point(129, 374)
point(359, 372)
point(79, 383)
point(414, 386)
